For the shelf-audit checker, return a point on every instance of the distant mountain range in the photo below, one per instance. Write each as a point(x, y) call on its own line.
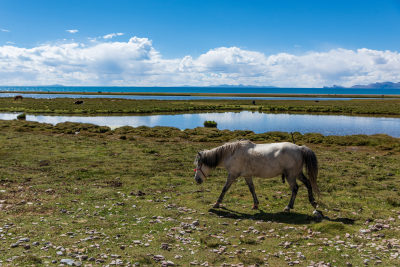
point(384, 85)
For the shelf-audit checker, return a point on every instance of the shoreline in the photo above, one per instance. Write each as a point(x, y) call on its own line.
point(367, 96)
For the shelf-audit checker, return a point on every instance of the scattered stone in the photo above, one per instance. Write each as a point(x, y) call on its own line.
point(69, 262)
point(165, 246)
point(50, 191)
point(158, 257)
point(167, 263)
point(261, 237)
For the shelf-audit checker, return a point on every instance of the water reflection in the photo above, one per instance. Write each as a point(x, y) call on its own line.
point(254, 121)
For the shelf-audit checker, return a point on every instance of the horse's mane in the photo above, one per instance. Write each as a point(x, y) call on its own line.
point(213, 157)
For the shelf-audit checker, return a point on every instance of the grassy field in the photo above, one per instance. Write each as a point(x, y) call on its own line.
point(387, 107)
point(84, 194)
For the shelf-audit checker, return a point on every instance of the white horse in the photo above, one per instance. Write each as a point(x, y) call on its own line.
point(247, 159)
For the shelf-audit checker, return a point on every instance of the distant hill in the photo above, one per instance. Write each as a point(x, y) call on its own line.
point(384, 85)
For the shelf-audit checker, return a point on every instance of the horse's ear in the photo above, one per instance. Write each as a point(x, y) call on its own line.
point(199, 154)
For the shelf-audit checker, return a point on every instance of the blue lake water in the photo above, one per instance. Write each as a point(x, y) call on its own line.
point(247, 90)
point(169, 97)
point(245, 120)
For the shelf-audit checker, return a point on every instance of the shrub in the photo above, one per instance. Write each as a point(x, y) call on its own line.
point(210, 124)
point(21, 116)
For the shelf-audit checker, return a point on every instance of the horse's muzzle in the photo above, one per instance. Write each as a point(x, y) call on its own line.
point(199, 180)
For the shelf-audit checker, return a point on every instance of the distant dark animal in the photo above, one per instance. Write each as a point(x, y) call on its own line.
point(78, 102)
point(254, 102)
point(18, 97)
point(247, 159)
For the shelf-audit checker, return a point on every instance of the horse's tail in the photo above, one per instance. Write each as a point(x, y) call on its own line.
point(311, 163)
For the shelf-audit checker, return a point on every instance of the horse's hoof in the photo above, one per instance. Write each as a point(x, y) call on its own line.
point(318, 215)
point(286, 209)
point(255, 207)
point(216, 205)
point(314, 204)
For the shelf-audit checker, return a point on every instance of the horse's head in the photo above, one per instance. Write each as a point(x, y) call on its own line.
point(201, 170)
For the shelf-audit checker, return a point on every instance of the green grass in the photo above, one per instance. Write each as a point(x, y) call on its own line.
point(387, 107)
point(96, 194)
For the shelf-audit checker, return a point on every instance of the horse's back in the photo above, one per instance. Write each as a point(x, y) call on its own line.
point(268, 160)
point(276, 149)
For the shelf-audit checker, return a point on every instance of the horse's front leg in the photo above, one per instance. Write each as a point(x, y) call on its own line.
point(228, 184)
point(249, 182)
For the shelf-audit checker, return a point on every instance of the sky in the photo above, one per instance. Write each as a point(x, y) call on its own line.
point(199, 43)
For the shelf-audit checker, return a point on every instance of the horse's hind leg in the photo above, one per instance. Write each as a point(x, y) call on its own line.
point(228, 184)
point(295, 188)
point(249, 182)
point(307, 183)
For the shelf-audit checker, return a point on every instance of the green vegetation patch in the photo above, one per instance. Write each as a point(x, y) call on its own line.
point(386, 107)
point(79, 192)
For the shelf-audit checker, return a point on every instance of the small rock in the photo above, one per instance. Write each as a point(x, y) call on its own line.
point(167, 263)
point(158, 257)
point(67, 261)
point(14, 245)
point(165, 246)
point(287, 244)
point(84, 257)
point(50, 191)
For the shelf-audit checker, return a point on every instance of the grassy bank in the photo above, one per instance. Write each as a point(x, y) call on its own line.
point(88, 194)
point(385, 107)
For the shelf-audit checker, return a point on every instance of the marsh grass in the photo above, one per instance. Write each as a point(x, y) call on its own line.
point(387, 107)
point(87, 190)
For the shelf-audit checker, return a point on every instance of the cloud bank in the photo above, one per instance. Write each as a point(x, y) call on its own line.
point(137, 63)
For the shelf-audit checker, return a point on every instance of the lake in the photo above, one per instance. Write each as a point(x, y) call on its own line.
point(206, 90)
point(176, 97)
point(245, 120)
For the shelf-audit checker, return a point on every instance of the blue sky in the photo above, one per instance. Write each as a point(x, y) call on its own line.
point(177, 30)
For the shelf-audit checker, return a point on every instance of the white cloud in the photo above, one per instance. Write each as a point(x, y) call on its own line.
point(112, 35)
point(72, 31)
point(137, 63)
point(4, 30)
